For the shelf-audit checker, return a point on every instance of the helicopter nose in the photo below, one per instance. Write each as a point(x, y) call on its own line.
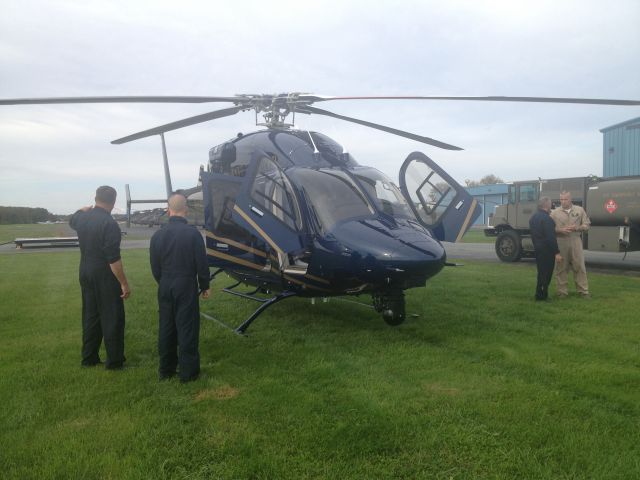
point(379, 253)
point(417, 254)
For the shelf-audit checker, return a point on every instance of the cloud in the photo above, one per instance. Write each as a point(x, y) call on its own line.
point(541, 48)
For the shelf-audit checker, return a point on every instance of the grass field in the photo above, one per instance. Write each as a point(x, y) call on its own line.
point(483, 384)
point(8, 233)
point(476, 235)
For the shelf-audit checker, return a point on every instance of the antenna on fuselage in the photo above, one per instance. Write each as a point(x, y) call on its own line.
point(315, 149)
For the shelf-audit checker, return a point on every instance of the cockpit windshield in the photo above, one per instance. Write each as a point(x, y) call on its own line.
point(385, 193)
point(332, 196)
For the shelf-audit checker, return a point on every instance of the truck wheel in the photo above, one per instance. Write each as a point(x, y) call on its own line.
point(508, 246)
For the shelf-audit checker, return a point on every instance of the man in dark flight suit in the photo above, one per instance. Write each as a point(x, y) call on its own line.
point(543, 235)
point(102, 281)
point(179, 265)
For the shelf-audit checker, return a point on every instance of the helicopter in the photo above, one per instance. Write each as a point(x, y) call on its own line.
point(291, 213)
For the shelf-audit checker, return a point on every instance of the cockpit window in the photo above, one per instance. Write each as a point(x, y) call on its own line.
point(430, 193)
point(329, 149)
point(315, 150)
point(385, 193)
point(272, 191)
point(332, 196)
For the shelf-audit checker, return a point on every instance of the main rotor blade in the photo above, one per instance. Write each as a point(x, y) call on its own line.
point(402, 133)
point(123, 99)
point(589, 101)
point(181, 123)
point(308, 97)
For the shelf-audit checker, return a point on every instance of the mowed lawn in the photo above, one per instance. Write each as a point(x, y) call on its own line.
point(483, 383)
point(476, 235)
point(8, 233)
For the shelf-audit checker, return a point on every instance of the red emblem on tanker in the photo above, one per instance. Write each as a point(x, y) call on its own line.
point(611, 205)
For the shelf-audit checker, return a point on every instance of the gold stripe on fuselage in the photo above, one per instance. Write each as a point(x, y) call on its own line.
point(231, 258)
point(467, 220)
point(239, 245)
point(273, 244)
point(308, 285)
point(255, 266)
point(262, 233)
point(317, 279)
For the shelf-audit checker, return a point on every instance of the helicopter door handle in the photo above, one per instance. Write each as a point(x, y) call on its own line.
point(257, 211)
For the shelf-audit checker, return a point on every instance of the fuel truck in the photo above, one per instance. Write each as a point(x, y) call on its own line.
point(607, 201)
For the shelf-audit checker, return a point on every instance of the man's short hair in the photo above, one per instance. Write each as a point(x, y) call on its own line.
point(106, 194)
point(543, 202)
point(566, 193)
point(178, 202)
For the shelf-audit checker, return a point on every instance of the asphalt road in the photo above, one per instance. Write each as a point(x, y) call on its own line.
point(594, 260)
point(138, 237)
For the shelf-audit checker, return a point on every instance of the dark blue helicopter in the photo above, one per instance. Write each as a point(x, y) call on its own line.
point(291, 213)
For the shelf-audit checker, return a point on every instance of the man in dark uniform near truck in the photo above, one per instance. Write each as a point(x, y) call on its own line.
point(102, 281)
point(543, 235)
point(179, 265)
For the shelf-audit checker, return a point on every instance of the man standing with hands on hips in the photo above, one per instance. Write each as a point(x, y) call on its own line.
point(179, 265)
point(571, 220)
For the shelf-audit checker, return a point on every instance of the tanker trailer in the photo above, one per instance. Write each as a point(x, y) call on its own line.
point(608, 203)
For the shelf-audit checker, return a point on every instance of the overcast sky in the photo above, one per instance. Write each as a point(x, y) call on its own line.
point(55, 156)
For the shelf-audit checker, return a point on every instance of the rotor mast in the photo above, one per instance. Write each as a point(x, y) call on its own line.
point(275, 109)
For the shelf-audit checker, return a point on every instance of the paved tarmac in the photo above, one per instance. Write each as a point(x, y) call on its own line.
point(138, 237)
point(605, 261)
point(134, 237)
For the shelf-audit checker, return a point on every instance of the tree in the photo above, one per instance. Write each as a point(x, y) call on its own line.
point(13, 215)
point(486, 180)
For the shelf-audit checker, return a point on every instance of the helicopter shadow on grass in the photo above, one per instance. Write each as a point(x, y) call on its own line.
point(348, 315)
point(351, 316)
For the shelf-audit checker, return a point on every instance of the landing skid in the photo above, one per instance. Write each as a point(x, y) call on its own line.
point(266, 303)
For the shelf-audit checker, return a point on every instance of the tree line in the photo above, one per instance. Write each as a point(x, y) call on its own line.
point(490, 179)
point(13, 215)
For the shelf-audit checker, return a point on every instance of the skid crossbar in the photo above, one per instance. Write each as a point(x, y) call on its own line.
point(265, 303)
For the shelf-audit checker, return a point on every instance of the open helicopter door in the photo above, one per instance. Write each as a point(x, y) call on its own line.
point(438, 201)
point(253, 218)
point(268, 208)
point(228, 243)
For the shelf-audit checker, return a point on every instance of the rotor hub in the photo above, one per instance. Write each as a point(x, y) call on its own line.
point(275, 108)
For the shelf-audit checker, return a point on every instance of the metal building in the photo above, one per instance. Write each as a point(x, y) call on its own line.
point(488, 197)
point(621, 149)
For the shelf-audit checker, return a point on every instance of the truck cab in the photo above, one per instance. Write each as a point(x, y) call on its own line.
point(510, 222)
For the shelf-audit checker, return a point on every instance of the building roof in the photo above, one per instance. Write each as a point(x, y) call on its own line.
point(622, 124)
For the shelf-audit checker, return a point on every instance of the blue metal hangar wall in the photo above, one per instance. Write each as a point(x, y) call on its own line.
point(621, 149)
point(488, 197)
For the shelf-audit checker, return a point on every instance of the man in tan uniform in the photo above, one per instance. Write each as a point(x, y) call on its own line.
point(571, 220)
